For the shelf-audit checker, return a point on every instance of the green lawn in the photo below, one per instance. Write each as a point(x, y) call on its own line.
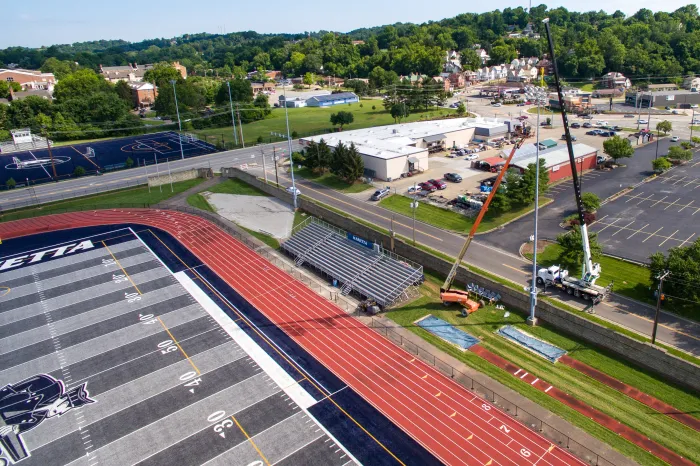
point(236, 186)
point(630, 279)
point(197, 201)
point(126, 197)
point(308, 120)
point(451, 220)
point(332, 181)
point(484, 322)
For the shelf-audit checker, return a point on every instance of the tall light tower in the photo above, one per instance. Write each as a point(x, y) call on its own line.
point(537, 95)
point(179, 125)
point(233, 118)
point(289, 147)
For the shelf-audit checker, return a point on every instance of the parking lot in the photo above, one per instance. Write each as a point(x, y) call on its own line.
point(656, 216)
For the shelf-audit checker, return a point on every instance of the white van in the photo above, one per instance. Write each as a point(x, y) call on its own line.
point(601, 123)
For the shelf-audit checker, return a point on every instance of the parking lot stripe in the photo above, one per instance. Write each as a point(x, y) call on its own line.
point(668, 238)
point(672, 203)
point(678, 181)
point(688, 204)
point(631, 198)
point(608, 226)
point(638, 231)
point(623, 228)
point(596, 221)
point(696, 211)
point(653, 234)
point(646, 199)
point(687, 240)
point(658, 201)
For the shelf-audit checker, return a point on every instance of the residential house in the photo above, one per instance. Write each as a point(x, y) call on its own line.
point(29, 79)
point(453, 62)
point(457, 80)
point(143, 94)
point(615, 80)
point(692, 83)
point(262, 87)
point(445, 82)
point(43, 93)
point(358, 42)
point(274, 75)
point(483, 56)
point(662, 87)
point(545, 65)
point(471, 77)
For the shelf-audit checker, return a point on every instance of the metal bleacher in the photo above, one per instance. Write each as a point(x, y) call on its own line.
point(371, 273)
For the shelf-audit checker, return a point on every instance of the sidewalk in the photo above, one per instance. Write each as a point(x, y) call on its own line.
point(181, 199)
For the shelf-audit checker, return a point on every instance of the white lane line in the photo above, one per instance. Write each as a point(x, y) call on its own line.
point(548, 389)
point(623, 228)
point(652, 234)
point(660, 200)
point(668, 238)
point(632, 198)
point(534, 381)
point(672, 203)
point(608, 226)
point(687, 205)
point(687, 240)
point(523, 376)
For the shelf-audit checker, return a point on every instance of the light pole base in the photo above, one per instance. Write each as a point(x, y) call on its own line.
point(532, 321)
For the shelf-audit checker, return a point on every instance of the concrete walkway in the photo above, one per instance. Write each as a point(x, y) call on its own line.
point(181, 199)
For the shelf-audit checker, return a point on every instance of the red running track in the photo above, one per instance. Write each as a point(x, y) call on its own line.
point(448, 420)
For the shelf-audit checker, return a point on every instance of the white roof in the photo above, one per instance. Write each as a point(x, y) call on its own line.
point(556, 156)
point(390, 141)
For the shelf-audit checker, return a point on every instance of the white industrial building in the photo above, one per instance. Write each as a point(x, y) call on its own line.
point(392, 150)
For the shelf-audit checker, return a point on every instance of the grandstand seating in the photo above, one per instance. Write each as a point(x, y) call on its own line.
point(36, 143)
point(367, 272)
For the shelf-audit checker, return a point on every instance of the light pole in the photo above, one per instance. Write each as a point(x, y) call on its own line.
point(289, 147)
point(233, 118)
point(179, 125)
point(538, 95)
point(659, 298)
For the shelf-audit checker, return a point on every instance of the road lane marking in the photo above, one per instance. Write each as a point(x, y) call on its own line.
point(516, 269)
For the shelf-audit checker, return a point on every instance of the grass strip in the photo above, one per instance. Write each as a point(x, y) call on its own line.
point(332, 181)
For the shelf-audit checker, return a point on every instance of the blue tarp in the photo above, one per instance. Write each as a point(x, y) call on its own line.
point(545, 350)
point(448, 332)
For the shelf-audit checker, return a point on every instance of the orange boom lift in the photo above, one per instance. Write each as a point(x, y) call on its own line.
point(447, 294)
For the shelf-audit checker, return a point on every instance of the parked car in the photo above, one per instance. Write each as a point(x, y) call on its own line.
point(291, 190)
point(667, 107)
point(471, 157)
point(696, 122)
point(454, 177)
point(425, 186)
point(521, 104)
point(573, 138)
point(439, 184)
point(642, 122)
point(587, 117)
point(601, 123)
point(617, 128)
point(587, 125)
point(497, 104)
point(629, 115)
point(600, 159)
point(607, 134)
point(380, 194)
point(675, 139)
point(593, 132)
point(675, 112)
point(575, 125)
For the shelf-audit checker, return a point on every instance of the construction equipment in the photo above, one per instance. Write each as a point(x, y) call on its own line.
point(447, 294)
point(584, 287)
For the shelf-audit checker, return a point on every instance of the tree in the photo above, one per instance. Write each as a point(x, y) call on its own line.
point(10, 183)
point(360, 88)
point(354, 164)
point(461, 109)
point(79, 171)
point(241, 92)
point(572, 245)
point(60, 68)
point(618, 148)
point(129, 162)
point(469, 59)
point(342, 118)
point(261, 101)
point(661, 164)
point(591, 202)
point(399, 111)
point(677, 154)
point(684, 264)
point(161, 74)
point(309, 78)
point(501, 200)
point(664, 126)
point(318, 156)
point(124, 92)
point(695, 140)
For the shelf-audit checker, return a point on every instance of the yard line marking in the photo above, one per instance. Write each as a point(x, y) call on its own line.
point(608, 225)
point(638, 231)
point(120, 266)
point(668, 238)
point(622, 228)
point(653, 234)
point(688, 237)
point(250, 440)
point(658, 201)
point(672, 203)
point(685, 206)
point(178, 345)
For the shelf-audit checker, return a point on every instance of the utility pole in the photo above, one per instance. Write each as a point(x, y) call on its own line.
point(657, 144)
point(651, 98)
point(391, 233)
point(147, 180)
point(179, 125)
point(160, 185)
point(659, 298)
point(415, 207)
point(289, 147)
point(240, 126)
point(48, 146)
point(233, 118)
point(692, 121)
point(170, 175)
point(274, 158)
point(262, 154)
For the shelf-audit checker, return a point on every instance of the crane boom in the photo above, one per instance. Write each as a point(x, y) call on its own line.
point(453, 272)
point(590, 271)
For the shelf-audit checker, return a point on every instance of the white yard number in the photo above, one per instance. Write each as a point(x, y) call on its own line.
point(219, 427)
point(256, 463)
point(107, 262)
point(147, 319)
point(525, 452)
point(167, 347)
point(132, 297)
point(216, 416)
point(119, 278)
point(505, 429)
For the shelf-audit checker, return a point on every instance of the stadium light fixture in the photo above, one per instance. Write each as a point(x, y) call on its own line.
point(179, 125)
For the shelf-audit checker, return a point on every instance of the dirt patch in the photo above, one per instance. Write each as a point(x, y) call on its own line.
point(541, 245)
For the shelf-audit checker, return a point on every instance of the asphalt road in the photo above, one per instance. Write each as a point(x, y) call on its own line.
point(673, 330)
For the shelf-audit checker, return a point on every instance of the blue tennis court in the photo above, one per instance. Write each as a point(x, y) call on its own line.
point(35, 165)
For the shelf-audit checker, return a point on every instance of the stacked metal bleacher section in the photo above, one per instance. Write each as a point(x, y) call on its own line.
point(370, 273)
point(37, 143)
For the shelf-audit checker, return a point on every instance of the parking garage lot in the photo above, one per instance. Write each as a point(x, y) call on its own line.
point(656, 216)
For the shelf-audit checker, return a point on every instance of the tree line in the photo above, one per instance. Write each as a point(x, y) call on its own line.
point(344, 161)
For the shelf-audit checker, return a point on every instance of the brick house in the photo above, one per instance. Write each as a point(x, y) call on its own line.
point(614, 80)
point(29, 79)
point(143, 94)
point(133, 72)
point(457, 80)
point(260, 87)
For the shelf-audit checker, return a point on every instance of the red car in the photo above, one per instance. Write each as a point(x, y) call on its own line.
point(425, 186)
point(439, 184)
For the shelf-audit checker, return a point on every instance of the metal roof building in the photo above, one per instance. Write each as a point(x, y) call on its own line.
point(557, 160)
point(332, 99)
